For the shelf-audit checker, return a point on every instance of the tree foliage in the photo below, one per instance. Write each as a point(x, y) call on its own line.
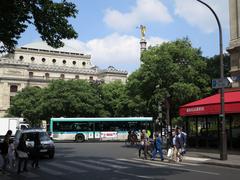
point(172, 73)
point(50, 19)
point(26, 104)
point(114, 99)
point(70, 99)
point(74, 98)
point(213, 66)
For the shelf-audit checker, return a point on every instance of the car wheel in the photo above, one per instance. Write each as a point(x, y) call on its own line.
point(51, 155)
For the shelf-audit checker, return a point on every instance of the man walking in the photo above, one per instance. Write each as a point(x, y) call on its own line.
point(157, 147)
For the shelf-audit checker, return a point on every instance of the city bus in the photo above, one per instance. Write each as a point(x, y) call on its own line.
point(102, 129)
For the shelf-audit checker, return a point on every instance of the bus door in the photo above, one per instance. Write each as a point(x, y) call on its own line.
point(97, 130)
point(91, 133)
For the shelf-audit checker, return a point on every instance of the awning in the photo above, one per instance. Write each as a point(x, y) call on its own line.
point(211, 105)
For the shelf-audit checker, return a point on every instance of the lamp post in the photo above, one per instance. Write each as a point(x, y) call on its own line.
point(223, 149)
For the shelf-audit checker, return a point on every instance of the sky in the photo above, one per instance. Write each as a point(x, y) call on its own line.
point(108, 29)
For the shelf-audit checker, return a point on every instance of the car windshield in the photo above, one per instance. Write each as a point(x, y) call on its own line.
point(43, 136)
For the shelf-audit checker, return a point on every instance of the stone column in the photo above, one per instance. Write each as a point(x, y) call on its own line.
point(234, 45)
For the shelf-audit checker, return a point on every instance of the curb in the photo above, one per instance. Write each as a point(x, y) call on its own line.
point(208, 161)
point(222, 164)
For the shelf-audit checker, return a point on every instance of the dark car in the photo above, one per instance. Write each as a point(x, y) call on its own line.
point(47, 145)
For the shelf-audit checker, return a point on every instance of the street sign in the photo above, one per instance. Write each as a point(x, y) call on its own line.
point(217, 83)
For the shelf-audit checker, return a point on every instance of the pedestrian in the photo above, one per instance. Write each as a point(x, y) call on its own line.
point(22, 154)
point(36, 151)
point(4, 150)
point(157, 147)
point(141, 147)
point(11, 154)
point(177, 146)
point(144, 144)
point(183, 140)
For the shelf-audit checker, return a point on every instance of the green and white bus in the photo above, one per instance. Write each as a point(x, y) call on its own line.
point(81, 129)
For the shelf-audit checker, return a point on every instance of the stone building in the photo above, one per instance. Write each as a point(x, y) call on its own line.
point(234, 45)
point(37, 64)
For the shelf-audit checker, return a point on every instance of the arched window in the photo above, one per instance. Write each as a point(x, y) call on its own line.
point(47, 75)
point(32, 58)
point(74, 62)
point(84, 63)
point(64, 61)
point(43, 59)
point(13, 88)
point(62, 76)
point(54, 60)
point(30, 74)
point(77, 77)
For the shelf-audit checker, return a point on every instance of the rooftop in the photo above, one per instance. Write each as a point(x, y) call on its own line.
point(43, 46)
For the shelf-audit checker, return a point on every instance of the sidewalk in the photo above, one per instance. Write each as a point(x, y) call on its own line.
point(212, 157)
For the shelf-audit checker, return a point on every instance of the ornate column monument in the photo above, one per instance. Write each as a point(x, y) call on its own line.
point(234, 45)
point(143, 42)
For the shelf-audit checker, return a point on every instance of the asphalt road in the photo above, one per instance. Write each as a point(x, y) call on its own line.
point(113, 161)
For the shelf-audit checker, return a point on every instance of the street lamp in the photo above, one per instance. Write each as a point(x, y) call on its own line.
point(223, 149)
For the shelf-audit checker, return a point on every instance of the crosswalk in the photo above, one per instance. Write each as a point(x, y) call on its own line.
point(66, 167)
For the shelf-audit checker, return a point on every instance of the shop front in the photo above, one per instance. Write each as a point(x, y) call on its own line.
point(203, 123)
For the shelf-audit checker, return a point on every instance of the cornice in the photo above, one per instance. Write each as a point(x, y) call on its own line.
point(52, 53)
point(62, 69)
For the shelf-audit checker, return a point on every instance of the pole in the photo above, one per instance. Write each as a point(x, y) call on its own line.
point(223, 148)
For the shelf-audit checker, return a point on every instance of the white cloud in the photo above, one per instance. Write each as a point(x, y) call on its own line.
point(200, 16)
point(144, 11)
point(120, 51)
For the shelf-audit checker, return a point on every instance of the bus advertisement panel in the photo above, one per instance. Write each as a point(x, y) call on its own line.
point(81, 129)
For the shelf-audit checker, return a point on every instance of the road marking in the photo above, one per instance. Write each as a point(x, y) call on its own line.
point(50, 171)
point(168, 163)
point(89, 166)
point(106, 164)
point(186, 169)
point(157, 162)
point(68, 168)
point(171, 167)
point(143, 161)
point(125, 163)
point(195, 159)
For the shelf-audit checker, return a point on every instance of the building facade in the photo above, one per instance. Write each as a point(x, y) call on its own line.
point(37, 64)
point(234, 45)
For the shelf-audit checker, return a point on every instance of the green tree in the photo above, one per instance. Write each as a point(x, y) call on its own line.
point(171, 74)
point(73, 98)
point(137, 104)
point(213, 68)
point(50, 19)
point(26, 104)
point(114, 99)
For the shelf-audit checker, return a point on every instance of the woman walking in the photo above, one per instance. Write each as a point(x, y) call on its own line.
point(22, 154)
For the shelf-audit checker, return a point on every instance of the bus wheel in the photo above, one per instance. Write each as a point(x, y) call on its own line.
point(79, 138)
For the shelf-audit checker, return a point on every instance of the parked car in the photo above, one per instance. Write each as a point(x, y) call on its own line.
point(47, 145)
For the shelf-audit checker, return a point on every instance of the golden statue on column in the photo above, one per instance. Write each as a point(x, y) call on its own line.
point(143, 31)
